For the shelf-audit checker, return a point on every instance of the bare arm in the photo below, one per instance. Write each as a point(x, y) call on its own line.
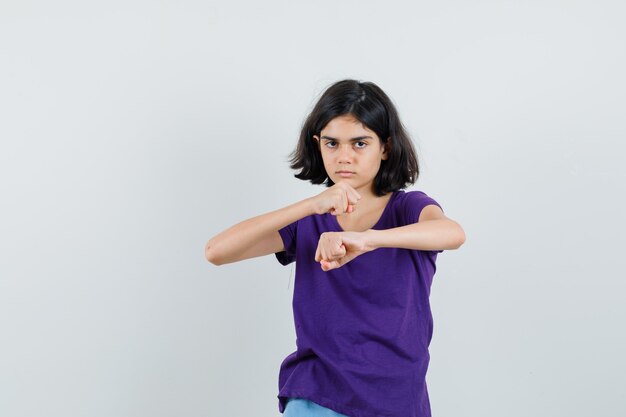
point(256, 236)
point(433, 231)
point(443, 234)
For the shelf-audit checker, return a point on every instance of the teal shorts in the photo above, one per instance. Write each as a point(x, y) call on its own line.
point(301, 407)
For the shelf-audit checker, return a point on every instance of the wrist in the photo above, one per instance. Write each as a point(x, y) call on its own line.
point(370, 239)
point(311, 205)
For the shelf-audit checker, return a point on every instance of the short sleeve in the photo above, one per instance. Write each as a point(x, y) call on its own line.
point(288, 234)
point(414, 203)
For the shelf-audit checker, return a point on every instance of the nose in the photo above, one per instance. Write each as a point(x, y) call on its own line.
point(345, 153)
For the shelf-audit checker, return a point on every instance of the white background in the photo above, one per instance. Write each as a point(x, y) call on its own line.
point(133, 131)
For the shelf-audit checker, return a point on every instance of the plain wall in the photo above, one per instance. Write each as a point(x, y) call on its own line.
point(133, 131)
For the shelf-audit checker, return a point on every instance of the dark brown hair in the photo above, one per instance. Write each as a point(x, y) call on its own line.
point(368, 104)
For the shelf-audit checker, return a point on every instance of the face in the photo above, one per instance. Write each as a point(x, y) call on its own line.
point(347, 145)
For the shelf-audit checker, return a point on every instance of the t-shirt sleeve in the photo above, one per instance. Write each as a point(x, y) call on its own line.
point(288, 234)
point(413, 205)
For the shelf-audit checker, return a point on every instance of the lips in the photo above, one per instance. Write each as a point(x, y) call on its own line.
point(345, 172)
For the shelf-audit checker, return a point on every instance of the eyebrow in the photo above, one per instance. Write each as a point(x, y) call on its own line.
point(353, 139)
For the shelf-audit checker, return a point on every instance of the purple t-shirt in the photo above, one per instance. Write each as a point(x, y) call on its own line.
point(363, 329)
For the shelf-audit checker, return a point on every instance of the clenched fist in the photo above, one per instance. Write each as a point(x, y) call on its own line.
point(335, 249)
point(339, 199)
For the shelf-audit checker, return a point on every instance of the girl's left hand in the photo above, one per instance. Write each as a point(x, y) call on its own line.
point(335, 249)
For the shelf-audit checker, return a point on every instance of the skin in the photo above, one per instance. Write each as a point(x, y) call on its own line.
point(433, 231)
point(363, 157)
point(259, 235)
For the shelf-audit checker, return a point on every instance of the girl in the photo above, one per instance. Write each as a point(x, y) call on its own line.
point(365, 253)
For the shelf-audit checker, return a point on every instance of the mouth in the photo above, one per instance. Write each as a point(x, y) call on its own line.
point(345, 173)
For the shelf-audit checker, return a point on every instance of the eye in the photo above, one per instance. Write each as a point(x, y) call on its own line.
point(358, 147)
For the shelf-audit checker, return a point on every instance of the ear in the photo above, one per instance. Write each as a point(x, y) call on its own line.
point(386, 149)
point(316, 139)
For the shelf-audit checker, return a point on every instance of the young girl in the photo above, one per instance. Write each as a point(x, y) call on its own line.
point(365, 253)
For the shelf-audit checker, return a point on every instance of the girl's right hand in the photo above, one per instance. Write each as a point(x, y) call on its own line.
point(339, 199)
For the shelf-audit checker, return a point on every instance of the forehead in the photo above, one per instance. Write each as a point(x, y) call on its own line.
point(345, 127)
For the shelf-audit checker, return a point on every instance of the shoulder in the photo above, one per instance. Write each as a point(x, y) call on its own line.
point(412, 197)
point(416, 205)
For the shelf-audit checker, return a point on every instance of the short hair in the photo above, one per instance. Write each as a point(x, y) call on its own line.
point(367, 103)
